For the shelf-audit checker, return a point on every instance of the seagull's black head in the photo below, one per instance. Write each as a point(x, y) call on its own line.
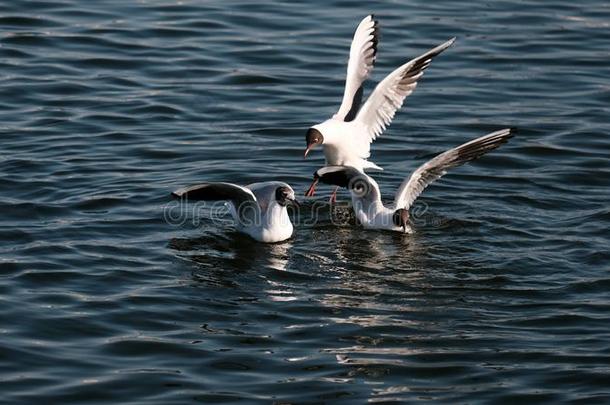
point(401, 218)
point(285, 195)
point(313, 137)
point(334, 175)
point(346, 177)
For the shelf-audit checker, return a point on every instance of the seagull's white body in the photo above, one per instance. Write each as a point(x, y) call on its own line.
point(275, 224)
point(342, 150)
point(366, 196)
point(372, 213)
point(258, 209)
point(348, 135)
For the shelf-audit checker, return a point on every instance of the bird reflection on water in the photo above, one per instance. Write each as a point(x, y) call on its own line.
point(364, 290)
point(343, 253)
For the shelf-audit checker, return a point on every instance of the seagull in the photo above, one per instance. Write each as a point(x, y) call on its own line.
point(366, 196)
point(258, 209)
point(346, 137)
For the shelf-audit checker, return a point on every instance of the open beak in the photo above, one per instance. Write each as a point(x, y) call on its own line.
point(294, 202)
point(309, 147)
point(404, 219)
point(311, 191)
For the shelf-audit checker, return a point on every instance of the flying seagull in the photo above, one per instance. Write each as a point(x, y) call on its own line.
point(346, 137)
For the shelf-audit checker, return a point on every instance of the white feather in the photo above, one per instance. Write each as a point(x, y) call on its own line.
point(362, 56)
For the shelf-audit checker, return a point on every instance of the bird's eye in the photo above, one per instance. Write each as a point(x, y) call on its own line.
point(281, 193)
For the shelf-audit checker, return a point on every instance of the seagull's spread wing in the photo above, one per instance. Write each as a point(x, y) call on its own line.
point(433, 169)
point(245, 206)
point(378, 111)
point(361, 60)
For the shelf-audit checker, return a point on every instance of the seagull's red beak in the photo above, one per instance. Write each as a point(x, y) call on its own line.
point(313, 137)
point(309, 147)
point(311, 191)
point(404, 218)
point(401, 218)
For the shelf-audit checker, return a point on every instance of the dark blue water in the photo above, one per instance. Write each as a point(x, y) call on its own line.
point(105, 107)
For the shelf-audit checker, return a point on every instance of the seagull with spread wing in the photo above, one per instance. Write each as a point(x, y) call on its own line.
point(366, 196)
point(347, 136)
point(258, 209)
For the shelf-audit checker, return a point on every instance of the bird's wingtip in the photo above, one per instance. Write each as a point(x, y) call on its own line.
point(180, 193)
point(507, 132)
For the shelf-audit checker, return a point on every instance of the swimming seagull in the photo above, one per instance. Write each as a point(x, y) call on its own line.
point(347, 136)
point(258, 209)
point(366, 197)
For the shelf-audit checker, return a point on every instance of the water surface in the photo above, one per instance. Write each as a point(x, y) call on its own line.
point(501, 296)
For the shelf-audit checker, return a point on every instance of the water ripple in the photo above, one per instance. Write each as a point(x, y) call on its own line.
point(500, 296)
